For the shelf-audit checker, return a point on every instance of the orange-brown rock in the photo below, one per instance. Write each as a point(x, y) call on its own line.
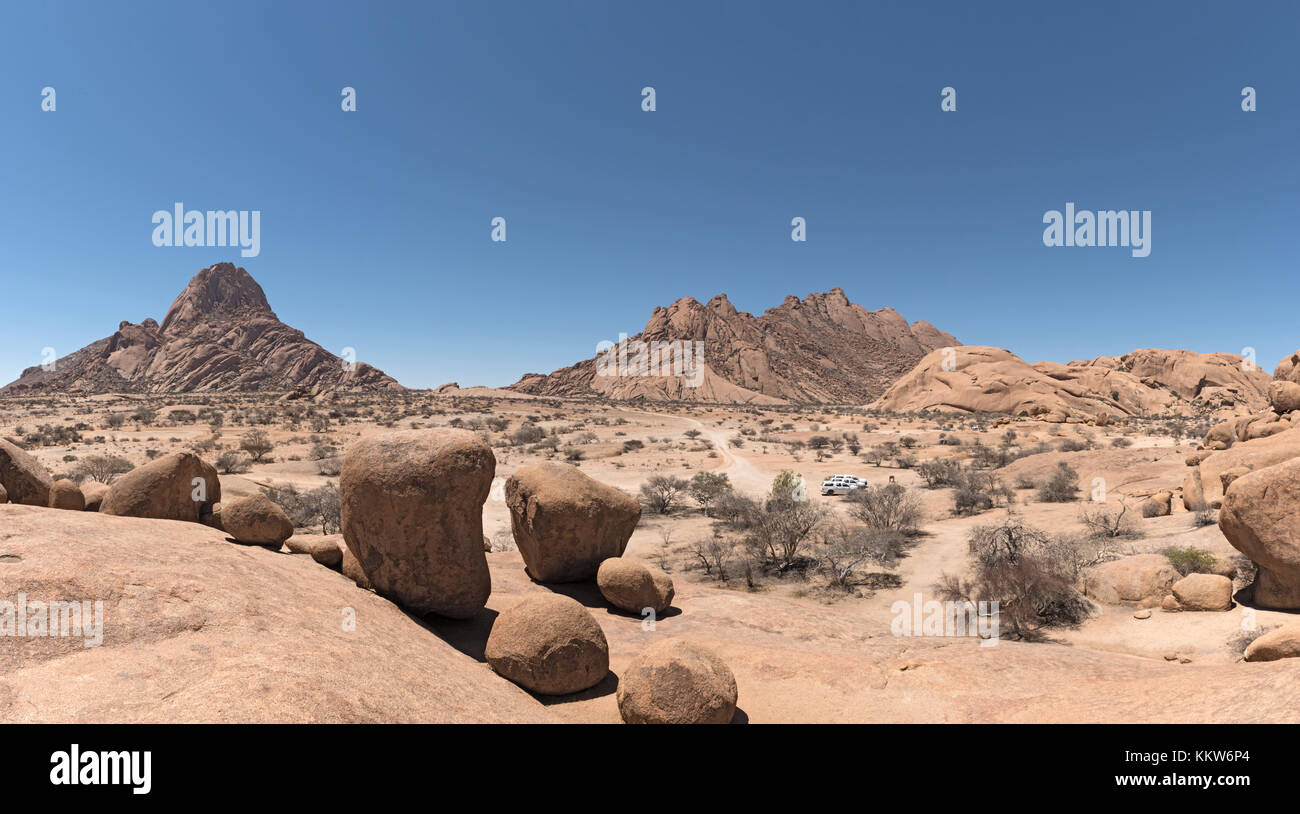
point(256, 520)
point(1261, 518)
point(549, 644)
point(173, 487)
point(822, 348)
point(220, 334)
point(566, 523)
point(676, 682)
point(633, 586)
point(24, 478)
point(65, 494)
point(412, 509)
point(195, 630)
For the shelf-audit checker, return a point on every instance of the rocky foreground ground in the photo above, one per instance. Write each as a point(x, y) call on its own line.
point(198, 628)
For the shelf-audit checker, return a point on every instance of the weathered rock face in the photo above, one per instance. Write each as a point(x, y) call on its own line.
point(675, 682)
point(1203, 592)
point(1141, 578)
point(819, 349)
point(1249, 455)
point(4, 495)
point(256, 520)
point(1284, 396)
point(566, 523)
point(198, 630)
point(634, 586)
point(1261, 518)
point(65, 494)
point(219, 335)
point(549, 644)
point(413, 517)
point(173, 487)
point(987, 379)
point(24, 478)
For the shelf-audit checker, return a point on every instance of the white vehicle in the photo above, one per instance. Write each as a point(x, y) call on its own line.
point(841, 484)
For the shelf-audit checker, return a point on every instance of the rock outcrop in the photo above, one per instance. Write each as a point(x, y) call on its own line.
point(174, 487)
point(1261, 518)
point(24, 478)
point(634, 586)
point(220, 334)
point(977, 378)
point(821, 349)
point(196, 630)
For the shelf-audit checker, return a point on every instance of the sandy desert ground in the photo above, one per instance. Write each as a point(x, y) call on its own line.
point(802, 647)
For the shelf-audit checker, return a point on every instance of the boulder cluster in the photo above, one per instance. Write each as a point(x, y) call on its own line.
point(412, 531)
point(1251, 473)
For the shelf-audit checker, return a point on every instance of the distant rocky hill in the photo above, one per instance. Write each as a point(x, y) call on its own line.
point(219, 335)
point(821, 349)
point(1145, 382)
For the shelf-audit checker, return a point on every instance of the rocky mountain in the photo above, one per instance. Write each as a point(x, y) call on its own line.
point(1145, 382)
point(220, 334)
point(821, 349)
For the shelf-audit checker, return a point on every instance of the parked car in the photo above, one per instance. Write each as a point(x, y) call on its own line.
point(841, 484)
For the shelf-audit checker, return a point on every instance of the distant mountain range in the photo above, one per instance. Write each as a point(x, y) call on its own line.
point(821, 349)
point(220, 335)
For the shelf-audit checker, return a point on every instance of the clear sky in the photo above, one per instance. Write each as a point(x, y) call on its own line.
point(375, 225)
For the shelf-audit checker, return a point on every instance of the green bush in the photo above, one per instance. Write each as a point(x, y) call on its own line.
point(1190, 560)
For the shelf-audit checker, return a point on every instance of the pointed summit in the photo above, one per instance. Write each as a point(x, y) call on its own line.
point(220, 334)
point(219, 289)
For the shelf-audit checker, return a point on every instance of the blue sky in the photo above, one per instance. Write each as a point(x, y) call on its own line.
point(375, 224)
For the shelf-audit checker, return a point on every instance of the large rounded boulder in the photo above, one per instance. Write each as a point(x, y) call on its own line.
point(1140, 578)
point(566, 523)
point(256, 520)
point(633, 586)
point(1203, 592)
point(1260, 516)
point(675, 682)
point(174, 487)
point(549, 644)
point(412, 505)
point(64, 494)
point(24, 478)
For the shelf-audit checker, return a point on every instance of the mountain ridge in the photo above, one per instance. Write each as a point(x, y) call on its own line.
point(219, 335)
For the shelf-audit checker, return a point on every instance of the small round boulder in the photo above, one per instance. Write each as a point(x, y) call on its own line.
point(549, 644)
point(256, 520)
point(64, 494)
point(676, 682)
point(633, 586)
point(94, 492)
